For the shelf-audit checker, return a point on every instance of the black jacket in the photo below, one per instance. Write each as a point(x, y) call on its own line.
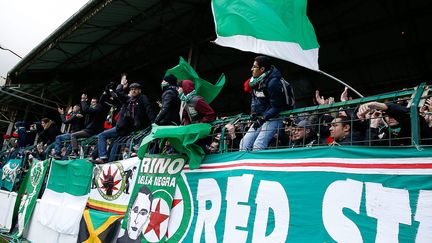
point(76, 123)
point(47, 136)
point(169, 113)
point(139, 118)
point(94, 118)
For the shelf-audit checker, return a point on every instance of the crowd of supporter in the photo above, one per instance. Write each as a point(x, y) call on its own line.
point(110, 127)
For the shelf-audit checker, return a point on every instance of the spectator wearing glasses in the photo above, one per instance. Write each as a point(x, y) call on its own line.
point(303, 134)
point(268, 100)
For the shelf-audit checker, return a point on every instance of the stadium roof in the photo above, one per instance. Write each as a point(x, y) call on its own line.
point(374, 46)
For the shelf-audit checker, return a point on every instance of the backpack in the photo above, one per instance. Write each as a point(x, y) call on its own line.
point(289, 101)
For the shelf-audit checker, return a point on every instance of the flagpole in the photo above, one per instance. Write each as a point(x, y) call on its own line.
point(342, 82)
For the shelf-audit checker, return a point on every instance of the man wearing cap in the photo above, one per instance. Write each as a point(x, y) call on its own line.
point(303, 134)
point(170, 106)
point(135, 114)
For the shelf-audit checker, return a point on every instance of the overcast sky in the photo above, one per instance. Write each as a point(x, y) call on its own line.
point(24, 24)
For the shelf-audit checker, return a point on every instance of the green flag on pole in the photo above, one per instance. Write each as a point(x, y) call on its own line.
point(32, 185)
point(184, 71)
point(278, 28)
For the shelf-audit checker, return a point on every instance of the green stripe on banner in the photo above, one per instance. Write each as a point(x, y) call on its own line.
point(348, 152)
point(71, 176)
point(269, 206)
point(99, 217)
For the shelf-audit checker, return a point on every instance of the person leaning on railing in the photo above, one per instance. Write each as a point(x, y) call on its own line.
point(303, 134)
point(268, 100)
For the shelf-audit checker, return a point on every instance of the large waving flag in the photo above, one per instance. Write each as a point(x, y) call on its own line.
point(278, 28)
point(182, 138)
point(204, 88)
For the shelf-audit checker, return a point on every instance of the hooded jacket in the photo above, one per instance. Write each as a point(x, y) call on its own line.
point(268, 99)
point(197, 104)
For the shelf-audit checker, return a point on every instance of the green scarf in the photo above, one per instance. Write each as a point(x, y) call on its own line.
point(187, 97)
point(394, 130)
point(164, 85)
point(255, 81)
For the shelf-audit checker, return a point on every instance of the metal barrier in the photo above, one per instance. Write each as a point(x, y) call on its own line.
point(228, 132)
point(371, 130)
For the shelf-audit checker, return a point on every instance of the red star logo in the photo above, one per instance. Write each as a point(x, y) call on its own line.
point(156, 218)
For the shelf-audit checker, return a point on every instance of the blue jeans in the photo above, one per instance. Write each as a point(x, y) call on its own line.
point(261, 137)
point(102, 137)
point(58, 142)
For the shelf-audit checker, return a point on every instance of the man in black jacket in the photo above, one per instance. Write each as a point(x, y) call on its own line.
point(170, 106)
point(94, 120)
point(135, 114)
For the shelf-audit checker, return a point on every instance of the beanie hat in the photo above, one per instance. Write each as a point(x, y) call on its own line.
point(171, 79)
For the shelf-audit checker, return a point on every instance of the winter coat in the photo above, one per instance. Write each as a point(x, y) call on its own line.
point(135, 114)
point(76, 123)
point(169, 113)
point(196, 110)
point(268, 99)
point(94, 118)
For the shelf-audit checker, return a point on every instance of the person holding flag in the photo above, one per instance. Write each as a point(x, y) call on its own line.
point(268, 100)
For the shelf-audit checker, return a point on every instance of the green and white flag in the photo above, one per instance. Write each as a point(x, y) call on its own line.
point(277, 28)
point(64, 199)
point(9, 174)
point(205, 89)
point(182, 138)
point(32, 183)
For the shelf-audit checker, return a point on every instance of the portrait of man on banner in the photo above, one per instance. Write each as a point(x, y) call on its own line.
point(138, 216)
